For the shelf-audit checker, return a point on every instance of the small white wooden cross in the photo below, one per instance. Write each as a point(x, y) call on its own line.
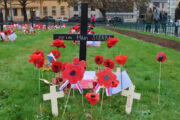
point(130, 96)
point(53, 95)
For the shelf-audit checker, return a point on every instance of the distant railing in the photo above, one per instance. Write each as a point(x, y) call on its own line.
point(170, 29)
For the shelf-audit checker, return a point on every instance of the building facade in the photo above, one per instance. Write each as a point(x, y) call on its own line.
point(76, 11)
point(41, 8)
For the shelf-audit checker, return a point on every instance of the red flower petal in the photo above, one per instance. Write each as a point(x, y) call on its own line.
point(109, 63)
point(73, 73)
point(121, 59)
point(105, 77)
point(98, 60)
point(57, 66)
point(161, 57)
point(112, 41)
point(58, 43)
point(93, 98)
point(56, 53)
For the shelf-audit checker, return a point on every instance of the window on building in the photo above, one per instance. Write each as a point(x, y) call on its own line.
point(54, 11)
point(45, 12)
point(162, 5)
point(92, 8)
point(62, 10)
point(76, 8)
point(15, 11)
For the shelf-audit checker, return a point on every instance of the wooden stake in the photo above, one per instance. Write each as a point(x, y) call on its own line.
point(102, 101)
point(66, 103)
point(91, 112)
point(121, 78)
point(159, 87)
point(82, 100)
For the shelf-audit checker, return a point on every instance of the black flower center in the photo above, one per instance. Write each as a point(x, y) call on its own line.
point(108, 63)
point(92, 96)
point(160, 57)
point(112, 82)
point(106, 77)
point(98, 59)
point(72, 73)
point(56, 67)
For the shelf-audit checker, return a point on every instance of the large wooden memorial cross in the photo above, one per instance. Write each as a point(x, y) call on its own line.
point(83, 37)
point(53, 95)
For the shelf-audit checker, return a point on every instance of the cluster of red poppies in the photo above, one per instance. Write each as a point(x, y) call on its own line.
point(121, 59)
point(59, 43)
point(7, 32)
point(37, 58)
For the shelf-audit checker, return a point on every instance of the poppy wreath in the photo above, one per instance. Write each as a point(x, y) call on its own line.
point(37, 58)
point(56, 53)
point(93, 98)
point(98, 60)
point(121, 59)
point(161, 57)
point(105, 78)
point(73, 74)
point(112, 42)
point(109, 63)
point(57, 66)
point(58, 43)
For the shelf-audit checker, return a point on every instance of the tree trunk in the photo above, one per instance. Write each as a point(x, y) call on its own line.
point(24, 12)
point(6, 10)
point(103, 14)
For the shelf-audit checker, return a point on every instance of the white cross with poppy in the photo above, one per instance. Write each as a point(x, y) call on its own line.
point(130, 96)
point(53, 95)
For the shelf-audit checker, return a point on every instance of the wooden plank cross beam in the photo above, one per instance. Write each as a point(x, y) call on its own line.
point(53, 95)
point(130, 96)
point(83, 37)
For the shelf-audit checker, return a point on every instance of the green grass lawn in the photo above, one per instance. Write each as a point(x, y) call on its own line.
point(18, 80)
point(155, 35)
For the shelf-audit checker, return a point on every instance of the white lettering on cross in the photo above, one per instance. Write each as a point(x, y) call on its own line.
point(53, 95)
point(130, 96)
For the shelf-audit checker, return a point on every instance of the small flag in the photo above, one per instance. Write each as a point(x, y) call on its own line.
point(51, 57)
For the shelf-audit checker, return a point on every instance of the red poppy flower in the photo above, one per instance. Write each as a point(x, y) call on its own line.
point(73, 73)
point(38, 52)
point(92, 32)
point(105, 77)
point(56, 53)
point(37, 60)
point(58, 43)
point(70, 31)
point(98, 60)
point(109, 63)
point(115, 83)
point(82, 63)
point(57, 66)
point(161, 57)
point(93, 98)
point(112, 41)
point(121, 59)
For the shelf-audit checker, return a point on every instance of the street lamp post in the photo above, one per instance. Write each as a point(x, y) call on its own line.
point(32, 17)
point(1, 19)
point(11, 11)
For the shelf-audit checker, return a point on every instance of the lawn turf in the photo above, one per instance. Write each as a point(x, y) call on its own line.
point(18, 80)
